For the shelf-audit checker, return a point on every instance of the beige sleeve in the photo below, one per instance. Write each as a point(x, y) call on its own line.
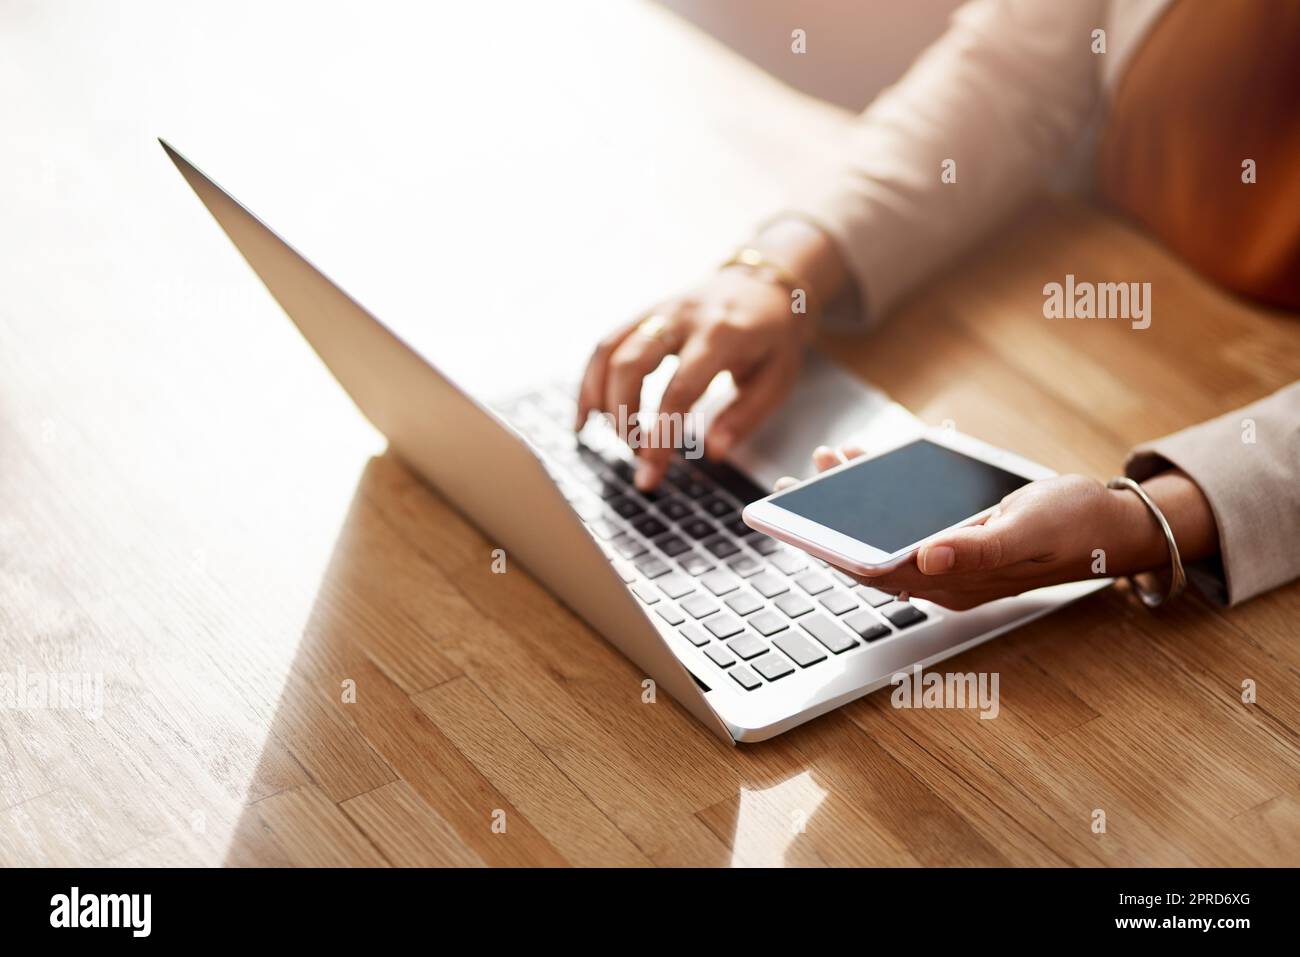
point(1004, 93)
point(1247, 464)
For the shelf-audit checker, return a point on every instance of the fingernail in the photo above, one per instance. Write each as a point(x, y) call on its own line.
point(644, 479)
point(937, 559)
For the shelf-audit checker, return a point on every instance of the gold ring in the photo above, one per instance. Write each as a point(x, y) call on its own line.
point(653, 327)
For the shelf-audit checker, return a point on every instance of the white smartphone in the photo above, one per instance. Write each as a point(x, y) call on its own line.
point(872, 513)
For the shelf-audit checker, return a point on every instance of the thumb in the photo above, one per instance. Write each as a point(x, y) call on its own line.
point(976, 548)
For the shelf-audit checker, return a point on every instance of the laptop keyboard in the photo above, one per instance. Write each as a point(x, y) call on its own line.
point(758, 610)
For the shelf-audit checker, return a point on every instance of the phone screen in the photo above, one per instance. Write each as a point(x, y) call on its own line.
point(903, 496)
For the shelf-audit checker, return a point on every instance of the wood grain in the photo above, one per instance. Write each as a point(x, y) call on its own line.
point(306, 657)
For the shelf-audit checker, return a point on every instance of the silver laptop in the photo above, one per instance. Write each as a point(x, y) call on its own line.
point(700, 602)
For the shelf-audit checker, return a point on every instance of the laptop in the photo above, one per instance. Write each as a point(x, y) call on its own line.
point(673, 578)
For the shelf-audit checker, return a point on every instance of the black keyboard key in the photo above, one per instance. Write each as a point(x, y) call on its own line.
point(695, 489)
point(838, 602)
point(728, 477)
point(675, 509)
point(829, 633)
point(803, 651)
point(904, 615)
point(768, 623)
point(867, 625)
point(623, 469)
point(772, 667)
point(747, 646)
point(720, 582)
point(765, 545)
point(627, 546)
point(676, 585)
point(626, 507)
point(743, 603)
point(698, 528)
point(745, 678)
point(693, 634)
point(720, 656)
point(769, 584)
point(658, 493)
point(670, 613)
point(722, 546)
point(699, 606)
point(610, 490)
point(745, 565)
point(724, 626)
point(695, 563)
point(794, 605)
point(717, 506)
point(678, 473)
point(649, 526)
point(672, 545)
point(738, 528)
point(589, 456)
point(652, 566)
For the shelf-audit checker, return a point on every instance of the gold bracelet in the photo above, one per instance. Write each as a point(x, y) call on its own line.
point(1150, 597)
point(757, 261)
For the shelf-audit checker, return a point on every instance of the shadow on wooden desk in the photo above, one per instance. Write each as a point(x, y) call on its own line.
point(441, 714)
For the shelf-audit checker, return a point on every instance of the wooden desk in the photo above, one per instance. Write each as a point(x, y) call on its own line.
point(189, 506)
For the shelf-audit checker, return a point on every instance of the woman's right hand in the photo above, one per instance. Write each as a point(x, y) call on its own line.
point(736, 321)
point(741, 321)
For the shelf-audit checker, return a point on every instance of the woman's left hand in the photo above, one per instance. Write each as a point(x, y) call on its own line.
point(1055, 530)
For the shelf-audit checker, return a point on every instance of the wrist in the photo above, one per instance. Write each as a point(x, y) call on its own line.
point(807, 252)
point(1140, 543)
point(757, 266)
point(1137, 544)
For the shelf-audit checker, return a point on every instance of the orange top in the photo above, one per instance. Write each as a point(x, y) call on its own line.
point(1213, 86)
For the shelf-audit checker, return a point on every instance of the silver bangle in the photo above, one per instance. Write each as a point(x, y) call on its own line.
point(1151, 597)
